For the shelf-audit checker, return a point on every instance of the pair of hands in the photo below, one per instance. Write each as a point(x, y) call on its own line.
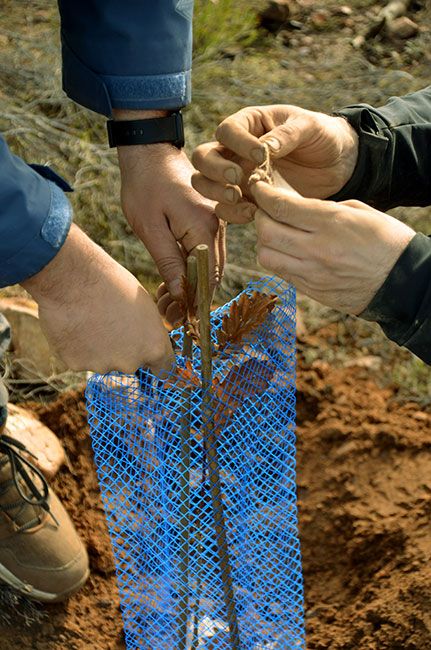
point(94, 313)
point(338, 253)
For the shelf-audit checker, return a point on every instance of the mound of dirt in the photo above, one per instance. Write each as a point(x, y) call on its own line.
point(364, 481)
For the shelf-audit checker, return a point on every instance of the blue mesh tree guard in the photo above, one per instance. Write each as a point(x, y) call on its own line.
point(204, 527)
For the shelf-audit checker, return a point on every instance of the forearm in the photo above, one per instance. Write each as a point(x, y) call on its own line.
point(402, 306)
point(66, 267)
point(89, 306)
point(394, 162)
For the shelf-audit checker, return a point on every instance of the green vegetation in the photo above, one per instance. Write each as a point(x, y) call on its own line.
point(220, 24)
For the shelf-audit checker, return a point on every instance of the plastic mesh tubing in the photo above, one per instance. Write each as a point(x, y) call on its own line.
point(160, 512)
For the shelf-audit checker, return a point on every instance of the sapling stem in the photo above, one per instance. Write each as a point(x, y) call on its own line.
point(184, 562)
point(210, 444)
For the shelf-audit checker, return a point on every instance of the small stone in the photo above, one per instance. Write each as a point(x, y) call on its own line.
point(276, 15)
point(358, 41)
point(307, 40)
point(296, 24)
point(369, 362)
point(309, 77)
point(421, 416)
point(104, 603)
point(402, 28)
point(319, 18)
point(304, 51)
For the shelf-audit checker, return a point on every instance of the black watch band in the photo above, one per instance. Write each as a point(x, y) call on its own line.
point(149, 131)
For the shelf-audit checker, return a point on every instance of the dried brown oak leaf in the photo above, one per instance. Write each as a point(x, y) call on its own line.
point(250, 378)
point(183, 378)
point(245, 315)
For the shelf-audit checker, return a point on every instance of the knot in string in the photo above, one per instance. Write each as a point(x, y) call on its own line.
point(264, 171)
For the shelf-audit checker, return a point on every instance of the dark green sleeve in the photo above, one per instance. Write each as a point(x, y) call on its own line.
point(394, 160)
point(402, 305)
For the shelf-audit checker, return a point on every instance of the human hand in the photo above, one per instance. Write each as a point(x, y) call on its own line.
point(164, 210)
point(313, 152)
point(337, 253)
point(95, 314)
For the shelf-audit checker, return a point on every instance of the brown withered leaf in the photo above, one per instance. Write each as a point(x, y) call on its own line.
point(245, 315)
point(250, 378)
point(183, 378)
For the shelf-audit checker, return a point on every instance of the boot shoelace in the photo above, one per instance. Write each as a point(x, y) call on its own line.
point(22, 468)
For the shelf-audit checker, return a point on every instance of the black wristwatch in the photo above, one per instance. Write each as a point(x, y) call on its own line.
point(150, 131)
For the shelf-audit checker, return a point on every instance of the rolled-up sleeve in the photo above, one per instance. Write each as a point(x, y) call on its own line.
point(134, 54)
point(35, 217)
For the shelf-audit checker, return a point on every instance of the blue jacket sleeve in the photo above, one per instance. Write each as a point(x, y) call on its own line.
point(35, 217)
point(133, 54)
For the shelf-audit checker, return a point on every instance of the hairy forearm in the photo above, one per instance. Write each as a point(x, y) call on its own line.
point(66, 268)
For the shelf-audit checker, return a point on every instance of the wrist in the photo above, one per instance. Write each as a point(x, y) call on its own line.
point(350, 149)
point(136, 128)
point(120, 114)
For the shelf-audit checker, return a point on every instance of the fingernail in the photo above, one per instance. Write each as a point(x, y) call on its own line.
point(258, 155)
point(229, 194)
point(231, 175)
point(273, 144)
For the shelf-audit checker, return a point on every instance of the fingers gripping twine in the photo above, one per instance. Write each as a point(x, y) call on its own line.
point(264, 171)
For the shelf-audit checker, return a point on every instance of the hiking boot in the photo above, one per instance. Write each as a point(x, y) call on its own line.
point(41, 555)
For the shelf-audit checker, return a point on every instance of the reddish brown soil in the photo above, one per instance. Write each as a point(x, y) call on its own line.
point(364, 475)
point(91, 620)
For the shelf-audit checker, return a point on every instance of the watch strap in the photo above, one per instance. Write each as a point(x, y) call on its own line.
point(148, 131)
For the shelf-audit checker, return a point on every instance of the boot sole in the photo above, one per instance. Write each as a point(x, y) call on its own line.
point(35, 594)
